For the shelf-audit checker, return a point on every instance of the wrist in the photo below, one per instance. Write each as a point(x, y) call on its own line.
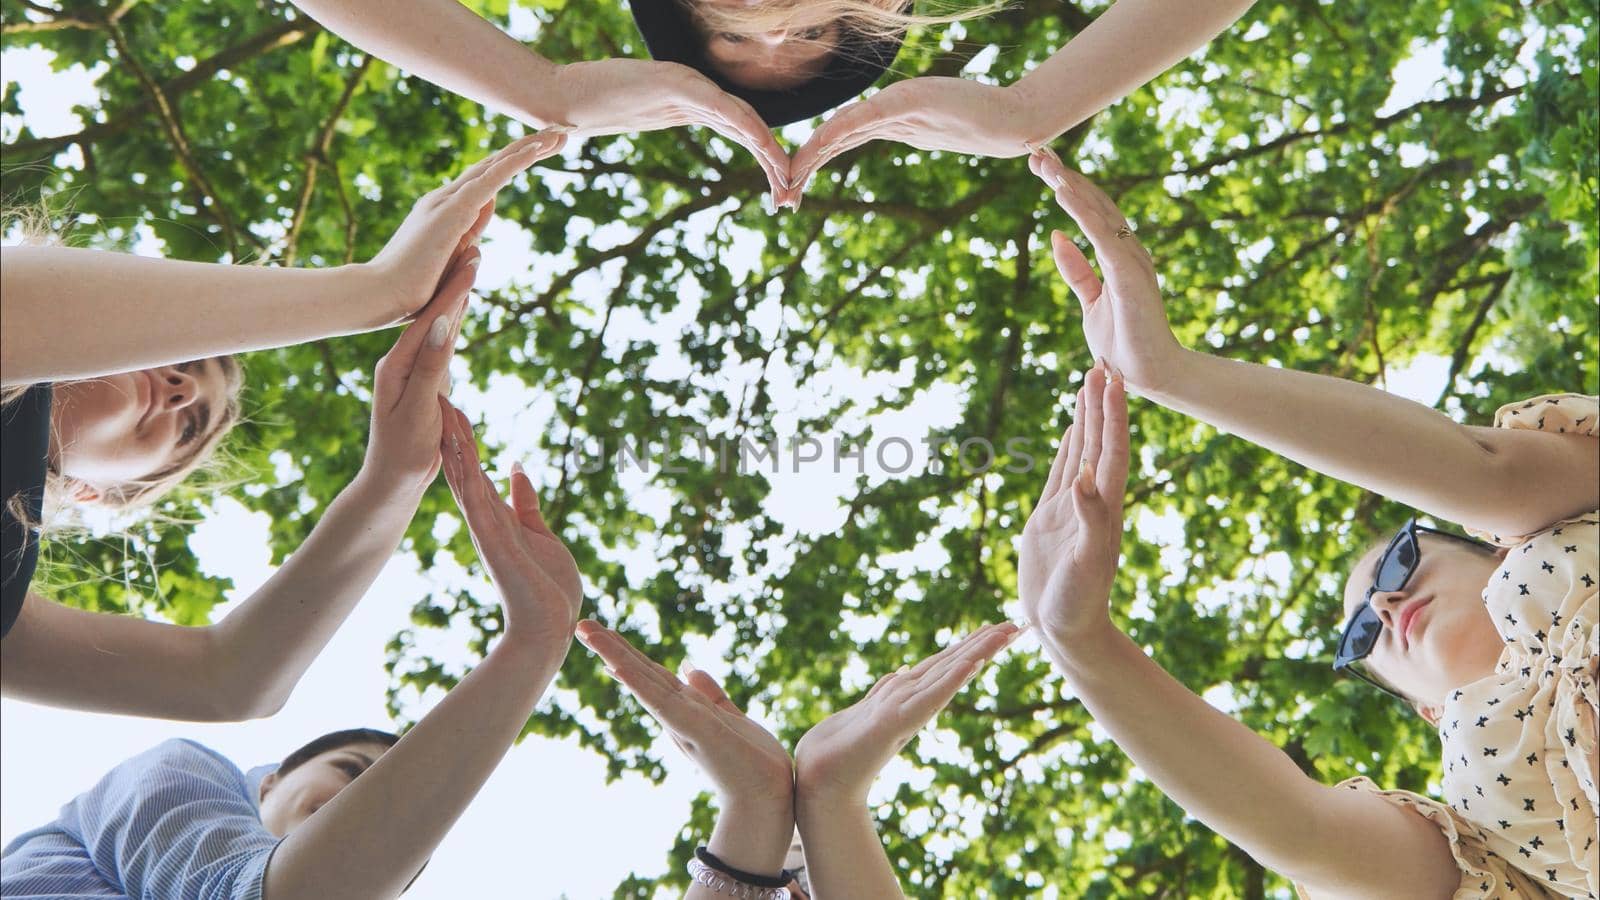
point(1083, 651)
point(1170, 380)
point(380, 493)
point(371, 288)
point(753, 835)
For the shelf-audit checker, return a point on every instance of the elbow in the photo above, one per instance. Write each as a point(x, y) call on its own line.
point(235, 692)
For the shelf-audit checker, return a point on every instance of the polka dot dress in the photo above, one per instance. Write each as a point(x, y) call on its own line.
point(1520, 745)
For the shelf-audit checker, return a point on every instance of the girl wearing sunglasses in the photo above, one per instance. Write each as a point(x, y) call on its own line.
point(1495, 643)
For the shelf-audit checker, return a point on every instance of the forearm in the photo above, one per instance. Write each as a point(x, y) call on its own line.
point(753, 837)
point(1219, 771)
point(451, 46)
point(1129, 44)
point(1368, 437)
point(374, 836)
point(73, 313)
point(845, 859)
point(265, 645)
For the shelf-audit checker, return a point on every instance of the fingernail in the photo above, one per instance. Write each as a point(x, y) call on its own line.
point(472, 261)
point(516, 469)
point(438, 331)
point(1116, 375)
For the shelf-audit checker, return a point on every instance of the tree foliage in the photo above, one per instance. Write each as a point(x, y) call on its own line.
point(1303, 211)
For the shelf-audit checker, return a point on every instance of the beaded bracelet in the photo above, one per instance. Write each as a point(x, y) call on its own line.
point(700, 873)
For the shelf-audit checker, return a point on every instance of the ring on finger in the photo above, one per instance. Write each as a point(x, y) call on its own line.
point(1125, 231)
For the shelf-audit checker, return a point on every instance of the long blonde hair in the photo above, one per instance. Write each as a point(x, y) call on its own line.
point(872, 19)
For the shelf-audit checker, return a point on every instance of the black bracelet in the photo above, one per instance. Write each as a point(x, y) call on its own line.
point(782, 879)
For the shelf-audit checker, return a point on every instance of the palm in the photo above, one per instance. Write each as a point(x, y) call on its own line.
point(1052, 548)
point(929, 113)
point(844, 752)
point(612, 96)
point(1124, 318)
point(1067, 555)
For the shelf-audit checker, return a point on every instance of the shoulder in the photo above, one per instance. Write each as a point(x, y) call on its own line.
point(186, 758)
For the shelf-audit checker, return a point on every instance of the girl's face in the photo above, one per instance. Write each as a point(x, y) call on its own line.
point(291, 799)
point(1437, 635)
point(773, 60)
point(123, 428)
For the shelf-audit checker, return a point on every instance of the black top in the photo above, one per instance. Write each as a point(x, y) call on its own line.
point(855, 65)
point(24, 451)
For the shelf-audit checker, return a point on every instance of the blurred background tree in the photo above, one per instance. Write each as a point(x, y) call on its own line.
point(1359, 189)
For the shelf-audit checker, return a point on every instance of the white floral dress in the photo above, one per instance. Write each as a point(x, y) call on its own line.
point(1520, 745)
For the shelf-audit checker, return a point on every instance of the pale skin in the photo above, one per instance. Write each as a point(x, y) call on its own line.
point(1127, 45)
point(1338, 843)
point(247, 665)
point(67, 310)
point(403, 805)
point(451, 46)
point(1437, 636)
point(762, 796)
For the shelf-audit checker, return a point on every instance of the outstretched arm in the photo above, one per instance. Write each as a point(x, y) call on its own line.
point(1126, 46)
point(837, 761)
point(247, 665)
point(1237, 783)
point(74, 313)
point(375, 834)
point(451, 46)
point(1390, 445)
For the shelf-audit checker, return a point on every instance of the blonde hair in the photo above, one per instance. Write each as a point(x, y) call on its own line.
point(32, 226)
point(870, 19)
point(137, 493)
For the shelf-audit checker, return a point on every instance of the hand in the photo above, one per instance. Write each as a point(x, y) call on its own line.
point(447, 221)
point(609, 96)
point(928, 113)
point(744, 761)
point(842, 755)
point(1124, 319)
point(403, 449)
point(1067, 556)
point(530, 567)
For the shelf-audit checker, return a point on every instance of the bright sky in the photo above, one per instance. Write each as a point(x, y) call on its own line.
point(546, 824)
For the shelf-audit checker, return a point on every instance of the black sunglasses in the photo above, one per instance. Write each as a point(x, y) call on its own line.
point(1392, 571)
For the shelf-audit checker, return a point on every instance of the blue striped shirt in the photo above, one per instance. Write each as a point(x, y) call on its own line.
point(177, 822)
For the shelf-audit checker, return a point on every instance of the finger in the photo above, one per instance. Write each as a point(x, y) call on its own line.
point(846, 129)
point(936, 690)
point(1090, 416)
point(430, 363)
point(879, 685)
point(980, 644)
point(475, 231)
point(651, 682)
point(708, 688)
point(921, 668)
point(1101, 221)
point(1075, 270)
point(520, 145)
point(1058, 467)
point(395, 367)
point(475, 191)
point(1111, 476)
point(525, 501)
point(1069, 472)
point(749, 129)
